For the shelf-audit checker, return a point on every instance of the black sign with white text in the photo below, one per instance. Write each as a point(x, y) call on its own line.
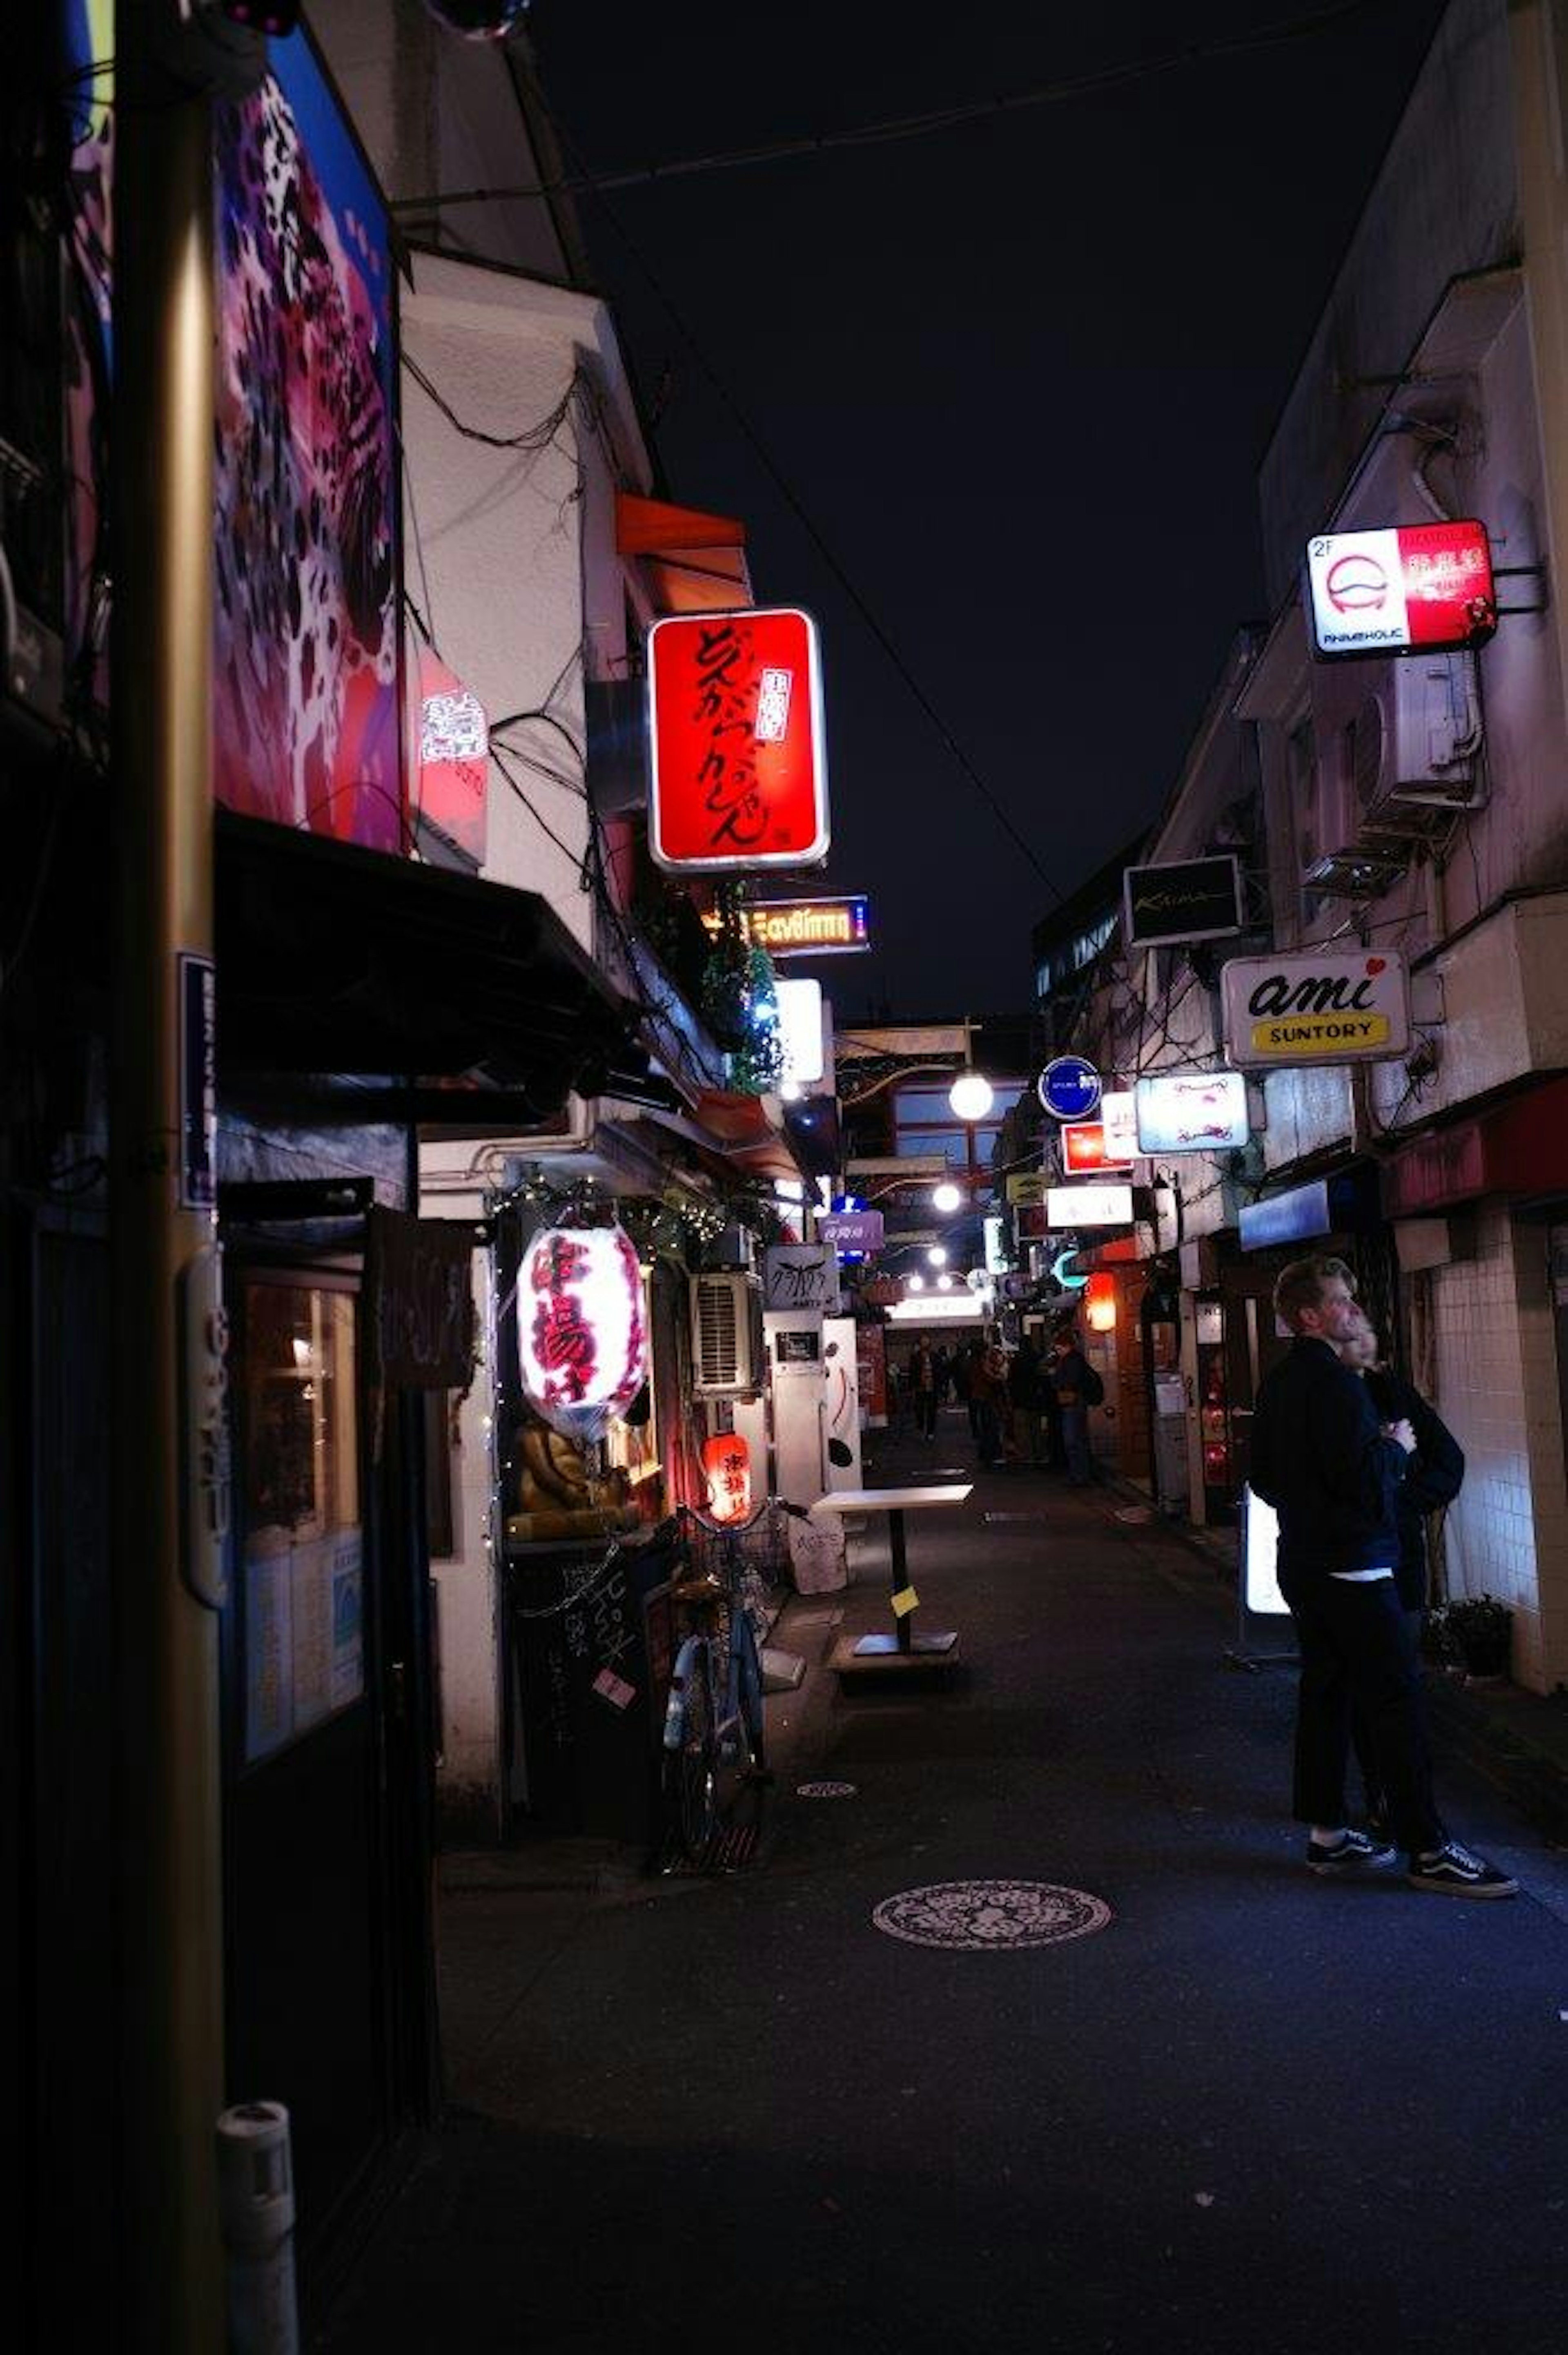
point(1191, 899)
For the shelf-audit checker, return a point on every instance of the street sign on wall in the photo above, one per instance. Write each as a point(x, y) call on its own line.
point(1069, 1088)
point(1424, 588)
point(737, 762)
point(1187, 899)
point(1316, 1007)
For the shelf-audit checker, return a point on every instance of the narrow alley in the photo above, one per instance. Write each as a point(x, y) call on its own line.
point(1255, 2111)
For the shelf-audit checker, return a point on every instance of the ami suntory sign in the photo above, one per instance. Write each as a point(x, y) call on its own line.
point(1316, 1009)
point(1424, 588)
point(738, 765)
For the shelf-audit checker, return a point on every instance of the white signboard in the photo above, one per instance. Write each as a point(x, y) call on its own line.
point(800, 1276)
point(800, 1033)
point(1192, 1112)
point(1087, 1206)
point(1118, 1118)
point(1316, 1007)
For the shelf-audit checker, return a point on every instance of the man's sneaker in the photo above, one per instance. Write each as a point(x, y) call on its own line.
point(1454, 1872)
point(1351, 1852)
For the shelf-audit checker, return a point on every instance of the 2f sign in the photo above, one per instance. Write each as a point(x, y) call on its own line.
point(1287, 1011)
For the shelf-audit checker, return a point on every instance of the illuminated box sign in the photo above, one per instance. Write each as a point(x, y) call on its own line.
point(788, 928)
point(1088, 1206)
point(1118, 1118)
point(454, 757)
point(1026, 1185)
point(1424, 588)
point(737, 773)
point(1192, 1112)
point(800, 1033)
point(852, 1231)
point(1315, 1009)
point(1086, 1148)
point(1190, 899)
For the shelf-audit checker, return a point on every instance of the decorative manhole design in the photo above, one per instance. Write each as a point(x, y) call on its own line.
point(999, 1914)
point(825, 1790)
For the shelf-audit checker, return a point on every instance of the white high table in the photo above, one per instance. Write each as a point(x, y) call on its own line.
point(903, 1648)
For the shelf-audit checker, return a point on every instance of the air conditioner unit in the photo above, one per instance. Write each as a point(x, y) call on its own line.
point(727, 1334)
point(1406, 732)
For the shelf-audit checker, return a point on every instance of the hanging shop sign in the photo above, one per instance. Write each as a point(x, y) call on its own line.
point(801, 928)
point(1118, 1118)
point(1348, 1202)
point(1422, 588)
point(1185, 899)
point(850, 1232)
point(1069, 1088)
point(1067, 1207)
point(1192, 1112)
point(1315, 1009)
point(1085, 1149)
point(800, 1048)
point(737, 771)
point(581, 1337)
point(454, 758)
point(800, 1276)
point(1026, 1185)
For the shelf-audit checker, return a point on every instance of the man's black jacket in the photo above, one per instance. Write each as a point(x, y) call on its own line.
point(1319, 1459)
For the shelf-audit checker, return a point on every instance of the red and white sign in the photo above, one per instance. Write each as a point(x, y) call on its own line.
point(1192, 1112)
point(1087, 1149)
point(454, 757)
point(1422, 588)
point(738, 773)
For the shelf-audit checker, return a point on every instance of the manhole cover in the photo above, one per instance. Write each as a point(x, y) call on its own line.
point(971, 1914)
point(824, 1790)
point(1135, 1513)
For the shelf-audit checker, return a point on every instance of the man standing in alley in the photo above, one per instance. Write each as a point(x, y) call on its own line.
point(1332, 1472)
point(923, 1388)
point(1074, 1381)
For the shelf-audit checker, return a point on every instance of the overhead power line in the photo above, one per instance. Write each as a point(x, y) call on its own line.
point(581, 181)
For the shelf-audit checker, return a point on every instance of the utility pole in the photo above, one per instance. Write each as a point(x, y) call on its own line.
point(167, 1499)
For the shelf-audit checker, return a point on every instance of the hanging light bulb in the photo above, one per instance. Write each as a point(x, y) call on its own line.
point(946, 1197)
point(971, 1096)
point(943, 1283)
point(938, 1255)
point(915, 1283)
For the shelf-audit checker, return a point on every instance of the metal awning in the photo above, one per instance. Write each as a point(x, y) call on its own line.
point(695, 562)
point(396, 990)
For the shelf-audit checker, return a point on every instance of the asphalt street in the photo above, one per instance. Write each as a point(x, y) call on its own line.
point(1254, 2110)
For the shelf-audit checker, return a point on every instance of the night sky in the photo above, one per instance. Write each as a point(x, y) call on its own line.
point(1018, 374)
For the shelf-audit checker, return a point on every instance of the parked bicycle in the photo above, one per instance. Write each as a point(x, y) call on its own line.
point(715, 1765)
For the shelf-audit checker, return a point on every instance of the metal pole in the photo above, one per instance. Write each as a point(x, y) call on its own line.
point(165, 1805)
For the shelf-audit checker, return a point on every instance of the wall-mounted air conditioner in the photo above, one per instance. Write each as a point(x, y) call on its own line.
point(727, 1334)
point(1406, 733)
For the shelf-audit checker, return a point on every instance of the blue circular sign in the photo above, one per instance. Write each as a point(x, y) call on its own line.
point(1070, 1088)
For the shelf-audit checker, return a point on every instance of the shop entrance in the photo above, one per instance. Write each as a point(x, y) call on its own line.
point(323, 1810)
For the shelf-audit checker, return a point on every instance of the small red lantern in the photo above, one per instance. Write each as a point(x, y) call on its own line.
point(1099, 1304)
point(727, 1463)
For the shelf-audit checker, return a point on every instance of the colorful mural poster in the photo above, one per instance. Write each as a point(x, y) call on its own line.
point(306, 716)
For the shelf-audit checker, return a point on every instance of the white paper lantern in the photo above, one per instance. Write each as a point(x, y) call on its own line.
point(580, 1332)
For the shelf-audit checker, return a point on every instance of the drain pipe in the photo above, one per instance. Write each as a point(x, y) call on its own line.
point(256, 2205)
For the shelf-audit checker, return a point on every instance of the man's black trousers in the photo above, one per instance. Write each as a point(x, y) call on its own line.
point(1355, 1648)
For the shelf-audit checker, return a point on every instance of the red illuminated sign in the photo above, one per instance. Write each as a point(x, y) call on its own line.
point(1083, 1149)
point(739, 773)
point(1424, 588)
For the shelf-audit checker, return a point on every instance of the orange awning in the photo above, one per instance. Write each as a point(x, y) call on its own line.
point(694, 562)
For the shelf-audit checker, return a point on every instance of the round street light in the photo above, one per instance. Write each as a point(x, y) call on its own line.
point(946, 1197)
point(938, 1255)
point(971, 1096)
point(914, 1284)
point(943, 1283)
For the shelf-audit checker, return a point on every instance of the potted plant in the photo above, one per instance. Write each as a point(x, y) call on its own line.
point(1476, 1629)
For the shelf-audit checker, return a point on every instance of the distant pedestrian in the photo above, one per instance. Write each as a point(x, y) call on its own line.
point(1026, 1387)
point(988, 1401)
point(1332, 1473)
point(965, 1363)
point(1433, 1477)
point(923, 1389)
point(944, 1365)
point(1070, 1378)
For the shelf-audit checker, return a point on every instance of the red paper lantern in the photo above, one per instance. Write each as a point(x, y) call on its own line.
point(1099, 1304)
point(580, 1334)
point(727, 1463)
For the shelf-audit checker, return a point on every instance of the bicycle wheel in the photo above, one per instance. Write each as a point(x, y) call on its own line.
point(696, 1761)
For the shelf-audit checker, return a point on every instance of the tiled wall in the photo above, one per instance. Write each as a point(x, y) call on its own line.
point(1497, 1389)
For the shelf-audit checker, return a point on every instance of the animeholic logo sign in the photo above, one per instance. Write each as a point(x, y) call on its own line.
point(1409, 589)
